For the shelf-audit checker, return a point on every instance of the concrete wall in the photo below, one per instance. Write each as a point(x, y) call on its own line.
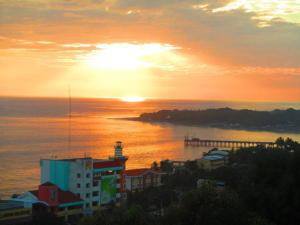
point(56, 172)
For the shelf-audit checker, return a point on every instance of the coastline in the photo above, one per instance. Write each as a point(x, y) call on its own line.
point(224, 126)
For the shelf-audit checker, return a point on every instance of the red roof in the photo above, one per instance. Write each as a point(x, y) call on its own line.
point(63, 196)
point(138, 172)
point(106, 164)
point(67, 197)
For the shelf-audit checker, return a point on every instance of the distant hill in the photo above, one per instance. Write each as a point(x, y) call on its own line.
point(276, 120)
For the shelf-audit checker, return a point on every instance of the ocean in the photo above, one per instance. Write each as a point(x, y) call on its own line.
point(35, 128)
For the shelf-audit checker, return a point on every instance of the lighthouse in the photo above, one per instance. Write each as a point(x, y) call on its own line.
point(119, 150)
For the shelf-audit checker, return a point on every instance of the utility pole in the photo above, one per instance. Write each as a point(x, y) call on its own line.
point(69, 122)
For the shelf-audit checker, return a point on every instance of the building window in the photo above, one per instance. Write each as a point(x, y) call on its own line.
point(87, 195)
point(87, 185)
point(95, 203)
point(95, 193)
point(53, 194)
point(87, 205)
point(108, 172)
point(95, 183)
point(88, 175)
point(78, 175)
point(78, 185)
point(78, 194)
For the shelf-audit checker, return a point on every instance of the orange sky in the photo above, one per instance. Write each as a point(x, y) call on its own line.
point(222, 49)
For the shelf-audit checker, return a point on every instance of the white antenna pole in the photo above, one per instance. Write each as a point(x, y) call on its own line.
point(70, 117)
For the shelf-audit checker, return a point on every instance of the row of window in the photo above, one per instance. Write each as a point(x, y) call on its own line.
point(105, 173)
point(88, 175)
point(95, 203)
point(94, 194)
point(95, 184)
point(87, 185)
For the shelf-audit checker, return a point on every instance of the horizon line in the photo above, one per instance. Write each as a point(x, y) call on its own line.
point(151, 99)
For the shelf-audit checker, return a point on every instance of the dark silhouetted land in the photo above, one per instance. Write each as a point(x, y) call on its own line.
point(277, 120)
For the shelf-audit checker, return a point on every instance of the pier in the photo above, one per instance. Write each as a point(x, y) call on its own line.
point(197, 142)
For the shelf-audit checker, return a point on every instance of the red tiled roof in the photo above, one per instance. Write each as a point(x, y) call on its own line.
point(67, 197)
point(63, 196)
point(105, 164)
point(137, 172)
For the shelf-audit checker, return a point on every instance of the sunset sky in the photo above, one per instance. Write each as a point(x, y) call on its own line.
point(210, 49)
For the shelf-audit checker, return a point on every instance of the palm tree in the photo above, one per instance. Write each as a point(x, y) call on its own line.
point(280, 142)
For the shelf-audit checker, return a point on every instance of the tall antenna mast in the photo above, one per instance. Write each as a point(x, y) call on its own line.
point(70, 117)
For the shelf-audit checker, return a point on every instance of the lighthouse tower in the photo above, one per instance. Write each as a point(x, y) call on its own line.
point(119, 150)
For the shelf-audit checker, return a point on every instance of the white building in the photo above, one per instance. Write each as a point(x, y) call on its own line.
point(96, 181)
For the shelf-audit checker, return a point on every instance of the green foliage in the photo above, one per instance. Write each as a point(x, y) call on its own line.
point(206, 206)
point(267, 180)
point(280, 142)
point(155, 166)
point(184, 178)
point(134, 215)
point(256, 220)
point(152, 198)
point(166, 166)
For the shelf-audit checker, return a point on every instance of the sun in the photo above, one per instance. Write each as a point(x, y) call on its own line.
point(116, 57)
point(125, 56)
point(132, 99)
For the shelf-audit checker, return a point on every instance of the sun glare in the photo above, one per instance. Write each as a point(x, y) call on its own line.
point(132, 99)
point(124, 56)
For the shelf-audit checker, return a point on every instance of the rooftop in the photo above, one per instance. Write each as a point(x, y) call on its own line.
point(10, 204)
point(63, 196)
point(213, 157)
point(110, 159)
point(70, 159)
point(139, 172)
point(218, 152)
point(48, 184)
point(136, 172)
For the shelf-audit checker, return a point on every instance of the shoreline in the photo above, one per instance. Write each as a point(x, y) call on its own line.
point(220, 126)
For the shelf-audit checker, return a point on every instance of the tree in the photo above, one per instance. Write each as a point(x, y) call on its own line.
point(166, 166)
point(154, 166)
point(280, 142)
point(207, 206)
point(134, 215)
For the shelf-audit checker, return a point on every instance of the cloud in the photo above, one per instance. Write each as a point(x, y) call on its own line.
point(266, 10)
point(234, 38)
point(219, 32)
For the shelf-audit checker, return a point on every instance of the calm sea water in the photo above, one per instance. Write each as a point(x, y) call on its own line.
point(35, 128)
